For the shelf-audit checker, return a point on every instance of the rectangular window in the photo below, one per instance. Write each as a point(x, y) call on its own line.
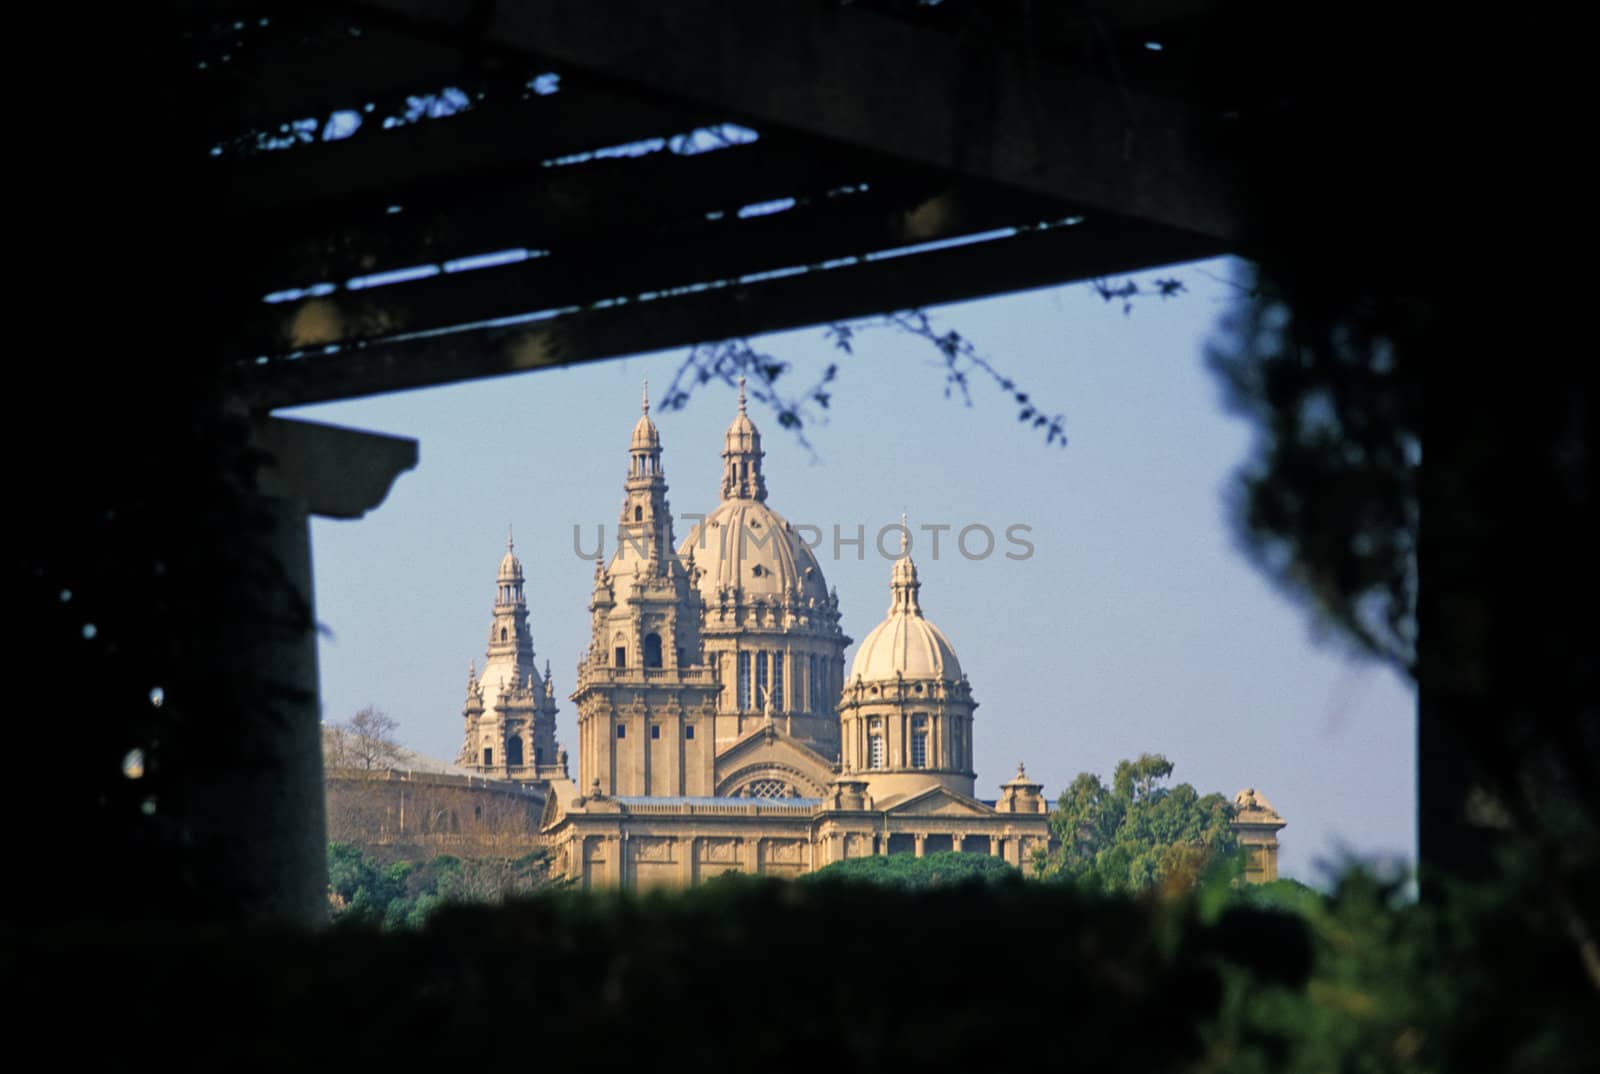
point(761, 680)
point(488, 756)
point(777, 681)
point(876, 755)
point(813, 686)
point(688, 732)
point(655, 730)
point(744, 682)
point(919, 742)
point(622, 731)
point(622, 657)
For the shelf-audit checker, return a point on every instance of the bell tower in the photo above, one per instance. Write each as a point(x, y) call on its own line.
point(646, 699)
point(510, 711)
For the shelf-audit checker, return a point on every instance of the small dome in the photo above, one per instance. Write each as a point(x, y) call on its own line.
point(510, 566)
point(744, 544)
point(907, 645)
point(645, 437)
point(742, 437)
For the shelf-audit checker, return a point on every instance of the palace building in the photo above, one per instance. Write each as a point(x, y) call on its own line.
point(718, 727)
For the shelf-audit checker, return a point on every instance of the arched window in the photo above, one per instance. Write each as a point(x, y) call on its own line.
point(514, 751)
point(503, 634)
point(638, 514)
point(652, 650)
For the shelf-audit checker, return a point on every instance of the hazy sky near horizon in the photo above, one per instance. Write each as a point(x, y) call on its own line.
point(1135, 625)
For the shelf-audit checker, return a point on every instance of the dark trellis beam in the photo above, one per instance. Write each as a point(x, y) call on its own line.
point(860, 79)
point(1027, 260)
point(603, 202)
point(375, 168)
point(608, 266)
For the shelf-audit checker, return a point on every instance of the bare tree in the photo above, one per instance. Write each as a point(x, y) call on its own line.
point(365, 742)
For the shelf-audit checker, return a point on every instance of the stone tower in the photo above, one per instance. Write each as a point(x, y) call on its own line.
point(906, 712)
point(510, 711)
point(771, 624)
point(646, 699)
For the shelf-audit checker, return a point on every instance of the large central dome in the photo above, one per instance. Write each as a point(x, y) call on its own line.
point(744, 545)
point(744, 548)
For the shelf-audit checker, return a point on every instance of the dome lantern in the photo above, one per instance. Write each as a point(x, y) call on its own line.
point(741, 454)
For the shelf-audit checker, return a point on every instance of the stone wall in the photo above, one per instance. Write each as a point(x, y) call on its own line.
point(422, 814)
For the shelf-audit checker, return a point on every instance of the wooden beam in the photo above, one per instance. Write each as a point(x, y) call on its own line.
point(980, 109)
point(380, 166)
point(599, 203)
point(1026, 260)
point(594, 269)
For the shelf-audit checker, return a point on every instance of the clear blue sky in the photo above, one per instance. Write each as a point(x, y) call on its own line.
point(1136, 625)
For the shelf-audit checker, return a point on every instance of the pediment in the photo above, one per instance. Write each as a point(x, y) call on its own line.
point(771, 743)
point(938, 802)
point(769, 750)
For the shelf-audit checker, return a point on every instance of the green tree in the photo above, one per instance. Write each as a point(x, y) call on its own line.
point(1139, 833)
point(908, 872)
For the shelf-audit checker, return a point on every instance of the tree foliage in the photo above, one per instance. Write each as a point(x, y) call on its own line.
point(403, 894)
point(1138, 833)
point(908, 872)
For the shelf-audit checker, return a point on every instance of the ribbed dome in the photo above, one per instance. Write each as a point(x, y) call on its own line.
point(510, 566)
point(905, 643)
point(750, 546)
point(645, 436)
point(742, 437)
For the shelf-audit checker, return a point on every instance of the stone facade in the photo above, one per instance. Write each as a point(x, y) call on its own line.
point(718, 729)
point(1258, 825)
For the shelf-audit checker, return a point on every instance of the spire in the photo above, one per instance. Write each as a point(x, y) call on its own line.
point(646, 440)
point(903, 582)
point(511, 546)
point(741, 457)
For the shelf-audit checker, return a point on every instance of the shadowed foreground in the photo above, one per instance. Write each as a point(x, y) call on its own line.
point(853, 976)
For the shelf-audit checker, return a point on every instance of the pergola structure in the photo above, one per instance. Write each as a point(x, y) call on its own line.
point(415, 192)
point(443, 190)
point(428, 191)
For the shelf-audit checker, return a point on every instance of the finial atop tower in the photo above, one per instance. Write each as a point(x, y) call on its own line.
point(644, 404)
point(905, 535)
point(741, 395)
point(510, 544)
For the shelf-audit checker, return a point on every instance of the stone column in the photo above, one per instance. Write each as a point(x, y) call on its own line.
point(260, 813)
